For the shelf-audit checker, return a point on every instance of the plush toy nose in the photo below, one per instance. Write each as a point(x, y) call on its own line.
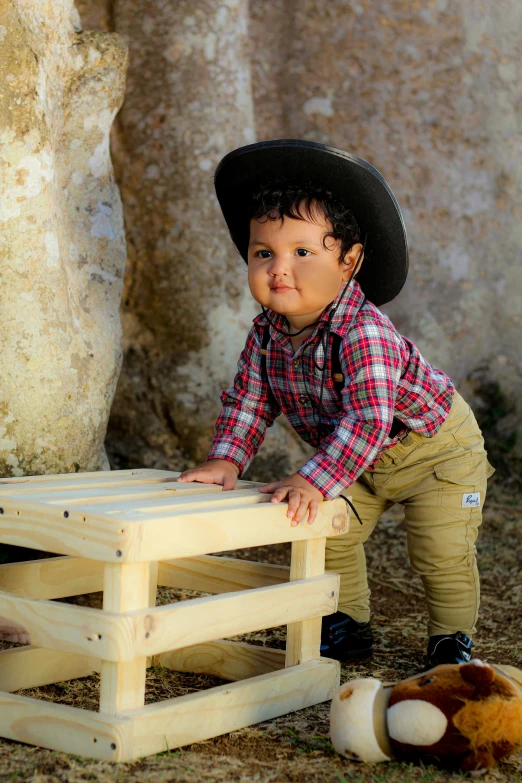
point(357, 721)
point(416, 722)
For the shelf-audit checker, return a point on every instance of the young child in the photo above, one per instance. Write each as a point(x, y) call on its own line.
point(388, 427)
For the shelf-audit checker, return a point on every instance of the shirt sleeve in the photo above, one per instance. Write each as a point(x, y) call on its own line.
point(371, 360)
point(249, 407)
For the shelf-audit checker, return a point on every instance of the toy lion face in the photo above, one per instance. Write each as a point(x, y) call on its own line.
point(466, 716)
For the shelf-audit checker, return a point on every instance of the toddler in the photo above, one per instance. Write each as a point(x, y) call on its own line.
point(325, 244)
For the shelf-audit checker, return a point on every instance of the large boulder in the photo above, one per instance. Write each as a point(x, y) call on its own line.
point(61, 240)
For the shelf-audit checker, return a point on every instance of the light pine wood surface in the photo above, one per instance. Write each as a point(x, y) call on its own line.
point(126, 532)
point(182, 520)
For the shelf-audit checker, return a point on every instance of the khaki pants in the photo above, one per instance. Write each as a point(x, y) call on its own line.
point(436, 480)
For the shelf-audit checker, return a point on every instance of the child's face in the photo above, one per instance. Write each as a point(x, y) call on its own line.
point(291, 272)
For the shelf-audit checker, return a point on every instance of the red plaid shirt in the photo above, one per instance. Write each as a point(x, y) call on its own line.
point(385, 376)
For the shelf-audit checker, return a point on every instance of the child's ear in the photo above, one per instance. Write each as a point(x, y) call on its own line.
point(352, 257)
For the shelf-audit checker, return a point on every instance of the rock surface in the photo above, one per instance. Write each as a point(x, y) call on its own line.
point(430, 93)
point(62, 245)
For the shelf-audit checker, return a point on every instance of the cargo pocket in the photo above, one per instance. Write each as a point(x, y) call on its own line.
point(462, 484)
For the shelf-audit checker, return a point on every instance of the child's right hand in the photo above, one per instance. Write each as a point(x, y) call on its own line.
point(213, 471)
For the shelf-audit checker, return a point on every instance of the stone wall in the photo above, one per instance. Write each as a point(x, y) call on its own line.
point(430, 93)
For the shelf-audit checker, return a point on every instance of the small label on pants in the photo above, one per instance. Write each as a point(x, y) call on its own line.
point(471, 500)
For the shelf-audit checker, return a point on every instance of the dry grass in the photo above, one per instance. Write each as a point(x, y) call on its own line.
point(296, 747)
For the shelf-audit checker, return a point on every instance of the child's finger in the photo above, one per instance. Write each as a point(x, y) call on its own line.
point(312, 511)
point(203, 476)
point(186, 475)
point(294, 498)
point(301, 511)
point(280, 494)
point(269, 488)
point(229, 482)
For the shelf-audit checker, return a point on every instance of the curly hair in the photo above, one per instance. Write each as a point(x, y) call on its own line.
point(278, 199)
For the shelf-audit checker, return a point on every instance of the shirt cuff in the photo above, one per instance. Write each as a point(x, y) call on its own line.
point(326, 476)
point(232, 452)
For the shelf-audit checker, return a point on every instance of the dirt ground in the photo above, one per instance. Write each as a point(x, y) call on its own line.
point(296, 748)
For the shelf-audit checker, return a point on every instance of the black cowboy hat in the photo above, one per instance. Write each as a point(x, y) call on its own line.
point(350, 179)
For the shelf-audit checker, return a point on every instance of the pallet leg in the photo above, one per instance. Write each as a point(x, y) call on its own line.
point(303, 639)
point(153, 582)
point(126, 587)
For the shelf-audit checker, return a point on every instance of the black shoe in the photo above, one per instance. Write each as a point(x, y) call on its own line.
point(448, 648)
point(345, 639)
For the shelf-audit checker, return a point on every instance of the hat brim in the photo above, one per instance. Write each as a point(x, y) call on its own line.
point(351, 179)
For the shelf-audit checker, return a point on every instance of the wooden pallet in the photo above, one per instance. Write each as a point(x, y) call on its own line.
point(125, 532)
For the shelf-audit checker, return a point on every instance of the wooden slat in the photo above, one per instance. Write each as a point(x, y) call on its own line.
point(74, 629)
point(33, 667)
point(106, 481)
point(110, 498)
point(196, 532)
point(198, 716)
point(55, 577)
point(206, 619)
point(94, 479)
point(122, 683)
point(123, 637)
point(228, 526)
point(211, 574)
point(38, 526)
point(228, 660)
point(174, 501)
point(67, 729)
point(303, 639)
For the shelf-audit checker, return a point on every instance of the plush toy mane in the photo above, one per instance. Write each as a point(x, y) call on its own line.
point(491, 721)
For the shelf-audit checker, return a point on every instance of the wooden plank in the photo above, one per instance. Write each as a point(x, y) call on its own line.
point(176, 500)
point(303, 639)
point(123, 637)
point(188, 533)
point(32, 667)
point(51, 529)
point(206, 714)
point(228, 660)
point(211, 574)
point(68, 729)
point(75, 629)
point(206, 619)
point(55, 577)
point(153, 583)
point(102, 478)
point(130, 496)
point(122, 684)
point(106, 481)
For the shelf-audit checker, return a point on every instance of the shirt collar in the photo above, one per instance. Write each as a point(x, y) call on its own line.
point(346, 308)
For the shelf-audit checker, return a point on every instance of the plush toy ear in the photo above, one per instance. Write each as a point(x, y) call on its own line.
point(477, 673)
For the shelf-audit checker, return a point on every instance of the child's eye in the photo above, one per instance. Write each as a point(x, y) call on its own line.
point(259, 254)
point(302, 252)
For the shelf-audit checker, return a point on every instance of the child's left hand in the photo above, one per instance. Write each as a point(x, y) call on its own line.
point(302, 497)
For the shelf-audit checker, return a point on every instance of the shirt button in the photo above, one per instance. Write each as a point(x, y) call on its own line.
point(296, 362)
point(303, 399)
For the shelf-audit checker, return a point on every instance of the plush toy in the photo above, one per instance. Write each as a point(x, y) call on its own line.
point(465, 717)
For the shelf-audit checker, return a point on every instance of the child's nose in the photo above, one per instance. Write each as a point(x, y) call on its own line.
point(279, 265)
